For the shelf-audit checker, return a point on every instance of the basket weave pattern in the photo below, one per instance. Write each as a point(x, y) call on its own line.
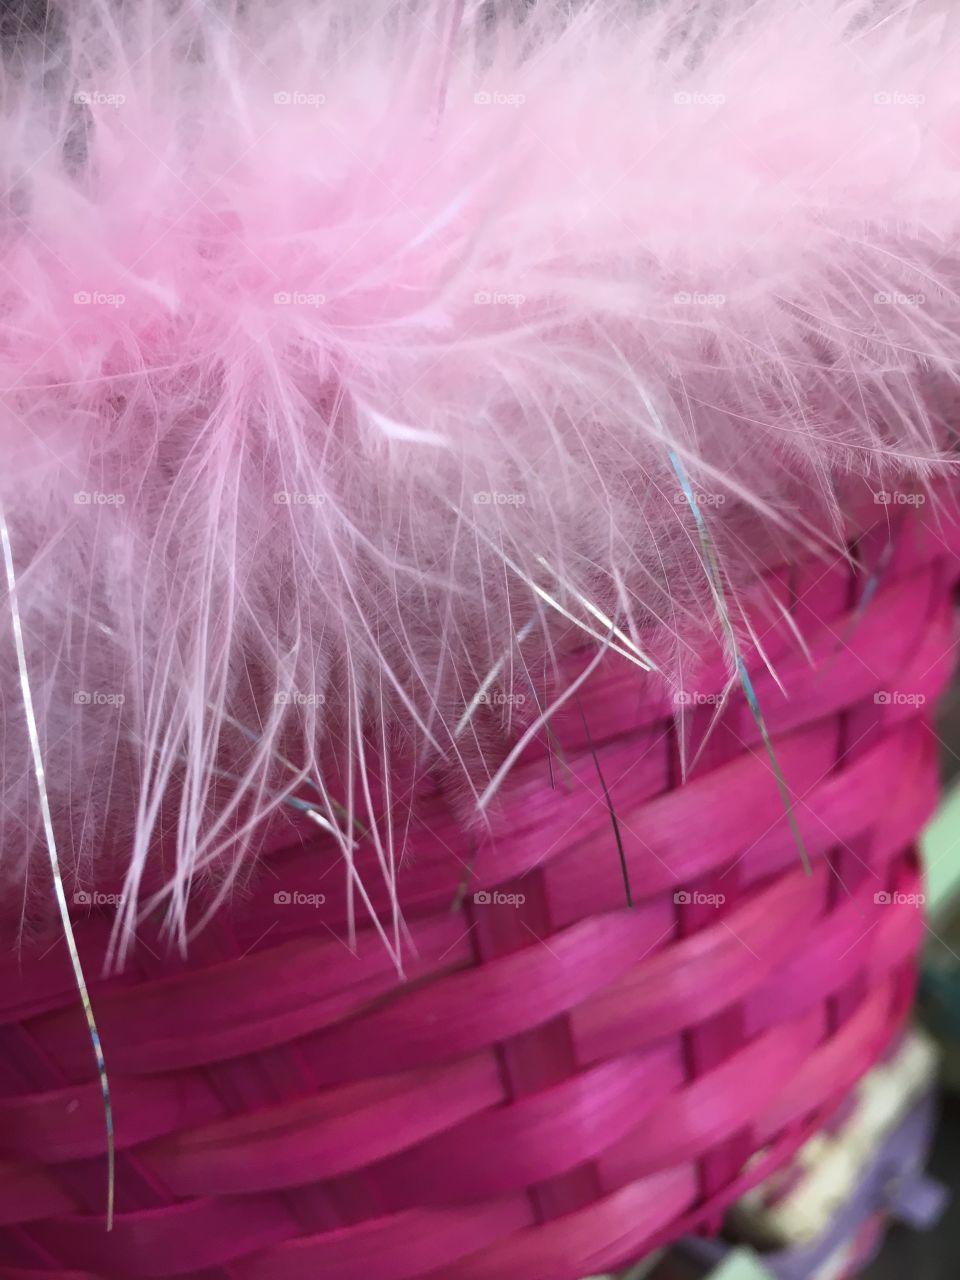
point(561, 1081)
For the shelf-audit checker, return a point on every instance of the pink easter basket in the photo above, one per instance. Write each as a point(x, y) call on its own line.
point(560, 1080)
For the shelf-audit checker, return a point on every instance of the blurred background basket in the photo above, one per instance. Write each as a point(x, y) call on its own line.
point(823, 1216)
point(560, 1080)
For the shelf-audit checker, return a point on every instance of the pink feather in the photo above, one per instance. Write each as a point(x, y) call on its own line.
point(343, 349)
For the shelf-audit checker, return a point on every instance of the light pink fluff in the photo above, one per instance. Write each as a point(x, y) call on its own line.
point(728, 230)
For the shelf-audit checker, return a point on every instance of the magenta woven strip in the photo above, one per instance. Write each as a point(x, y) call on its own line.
point(561, 1081)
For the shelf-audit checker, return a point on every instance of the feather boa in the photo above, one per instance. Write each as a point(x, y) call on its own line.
point(352, 354)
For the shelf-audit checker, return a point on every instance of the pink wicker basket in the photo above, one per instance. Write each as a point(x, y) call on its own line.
point(561, 1080)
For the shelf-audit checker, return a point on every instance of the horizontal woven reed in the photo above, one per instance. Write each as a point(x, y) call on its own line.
point(558, 1083)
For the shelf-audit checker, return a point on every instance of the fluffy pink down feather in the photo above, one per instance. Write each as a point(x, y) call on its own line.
point(352, 351)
